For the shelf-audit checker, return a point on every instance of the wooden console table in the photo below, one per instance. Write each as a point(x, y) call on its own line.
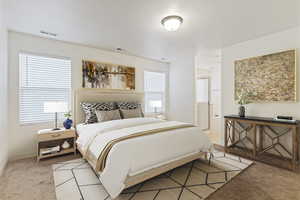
point(259, 138)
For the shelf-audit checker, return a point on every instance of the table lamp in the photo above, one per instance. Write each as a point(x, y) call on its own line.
point(55, 107)
point(155, 105)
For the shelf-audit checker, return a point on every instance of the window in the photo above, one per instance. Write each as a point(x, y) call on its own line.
point(154, 88)
point(42, 79)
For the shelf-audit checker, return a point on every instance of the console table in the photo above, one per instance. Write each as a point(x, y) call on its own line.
point(259, 138)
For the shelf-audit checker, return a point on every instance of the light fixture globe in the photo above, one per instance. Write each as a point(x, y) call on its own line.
point(172, 22)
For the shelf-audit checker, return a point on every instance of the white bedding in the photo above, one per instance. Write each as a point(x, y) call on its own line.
point(87, 132)
point(136, 155)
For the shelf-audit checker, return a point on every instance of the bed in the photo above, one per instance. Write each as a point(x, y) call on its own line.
point(129, 151)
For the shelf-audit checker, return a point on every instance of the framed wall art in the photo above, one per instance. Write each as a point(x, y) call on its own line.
point(108, 76)
point(268, 78)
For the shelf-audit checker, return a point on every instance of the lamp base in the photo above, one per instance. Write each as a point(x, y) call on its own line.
point(56, 128)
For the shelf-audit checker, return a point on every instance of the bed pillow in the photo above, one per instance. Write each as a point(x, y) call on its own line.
point(104, 116)
point(90, 110)
point(132, 113)
point(130, 106)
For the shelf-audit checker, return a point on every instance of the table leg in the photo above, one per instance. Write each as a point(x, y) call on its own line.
point(74, 146)
point(295, 148)
point(298, 143)
point(261, 138)
point(254, 140)
point(38, 152)
point(233, 131)
point(226, 135)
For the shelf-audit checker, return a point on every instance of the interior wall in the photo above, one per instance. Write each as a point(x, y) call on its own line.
point(22, 138)
point(3, 90)
point(208, 64)
point(182, 88)
point(285, 40)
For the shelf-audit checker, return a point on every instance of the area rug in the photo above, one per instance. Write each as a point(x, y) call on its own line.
point(75, 180)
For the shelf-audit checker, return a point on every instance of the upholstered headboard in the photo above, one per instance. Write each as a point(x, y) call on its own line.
point(102, 95)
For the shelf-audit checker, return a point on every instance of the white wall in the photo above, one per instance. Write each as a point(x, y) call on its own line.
point(182, 88)
point(3, 90)
point(289, 39)
point(22, 138)
point(208, 64)
point(216, 92)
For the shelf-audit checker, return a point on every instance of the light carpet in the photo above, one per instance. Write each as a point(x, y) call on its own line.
point(75, 180)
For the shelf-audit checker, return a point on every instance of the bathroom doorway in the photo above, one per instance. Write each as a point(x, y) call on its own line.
point(202, 103)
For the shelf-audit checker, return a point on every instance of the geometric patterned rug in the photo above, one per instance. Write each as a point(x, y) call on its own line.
point(75, 180)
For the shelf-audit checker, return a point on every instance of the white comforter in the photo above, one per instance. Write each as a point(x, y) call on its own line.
point(88, 132)
point(136, 155)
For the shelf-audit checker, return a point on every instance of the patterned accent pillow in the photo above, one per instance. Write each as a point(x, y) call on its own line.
point(132, 113)
point(104, 116)
point(129, 106)
point(90, 108)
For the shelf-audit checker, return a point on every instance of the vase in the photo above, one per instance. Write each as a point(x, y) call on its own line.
point(242, 111)
point(68, 123)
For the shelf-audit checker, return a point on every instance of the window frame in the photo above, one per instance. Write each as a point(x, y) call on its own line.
point(164, 93)
point(70, 102)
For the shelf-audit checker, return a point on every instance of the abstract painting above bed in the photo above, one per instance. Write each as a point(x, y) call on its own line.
point(109, 76)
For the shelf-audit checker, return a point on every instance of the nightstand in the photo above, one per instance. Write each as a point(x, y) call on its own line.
point(47, 138)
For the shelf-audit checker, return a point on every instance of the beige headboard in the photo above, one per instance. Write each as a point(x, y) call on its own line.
point(102, 95)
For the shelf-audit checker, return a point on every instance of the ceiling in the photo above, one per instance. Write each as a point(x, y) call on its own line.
point(134, 25)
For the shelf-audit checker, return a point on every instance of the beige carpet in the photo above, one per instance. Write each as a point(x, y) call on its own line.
point(28, 180)
point(194, 181)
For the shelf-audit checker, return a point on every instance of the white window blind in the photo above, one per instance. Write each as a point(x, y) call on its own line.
point(42, 79)
point(154, 88)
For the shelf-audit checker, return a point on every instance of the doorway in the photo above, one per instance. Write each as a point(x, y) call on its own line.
point(208, 102)
point(202, 103)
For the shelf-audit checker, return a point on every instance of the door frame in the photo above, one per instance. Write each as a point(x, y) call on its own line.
point(195, 99)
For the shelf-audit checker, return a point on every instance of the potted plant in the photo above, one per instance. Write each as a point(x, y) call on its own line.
point(243, 99)
point(68, 122)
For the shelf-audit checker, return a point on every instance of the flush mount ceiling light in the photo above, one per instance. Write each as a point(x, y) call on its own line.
point(172, 22)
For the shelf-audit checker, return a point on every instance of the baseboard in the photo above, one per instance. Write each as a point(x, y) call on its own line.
point(2, 166)
point(21, 157)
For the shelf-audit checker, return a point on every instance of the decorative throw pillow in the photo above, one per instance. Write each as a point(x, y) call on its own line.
point(130, 106)
point(90, 108)
point(108, 115)
point(132, 113)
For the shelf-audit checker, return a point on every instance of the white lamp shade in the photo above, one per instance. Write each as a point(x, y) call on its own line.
point(55, 106)
point(156, 104)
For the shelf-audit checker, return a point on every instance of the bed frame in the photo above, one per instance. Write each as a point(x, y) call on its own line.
point(105, 95)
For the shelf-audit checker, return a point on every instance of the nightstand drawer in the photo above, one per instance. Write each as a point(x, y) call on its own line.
point(56, 135)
